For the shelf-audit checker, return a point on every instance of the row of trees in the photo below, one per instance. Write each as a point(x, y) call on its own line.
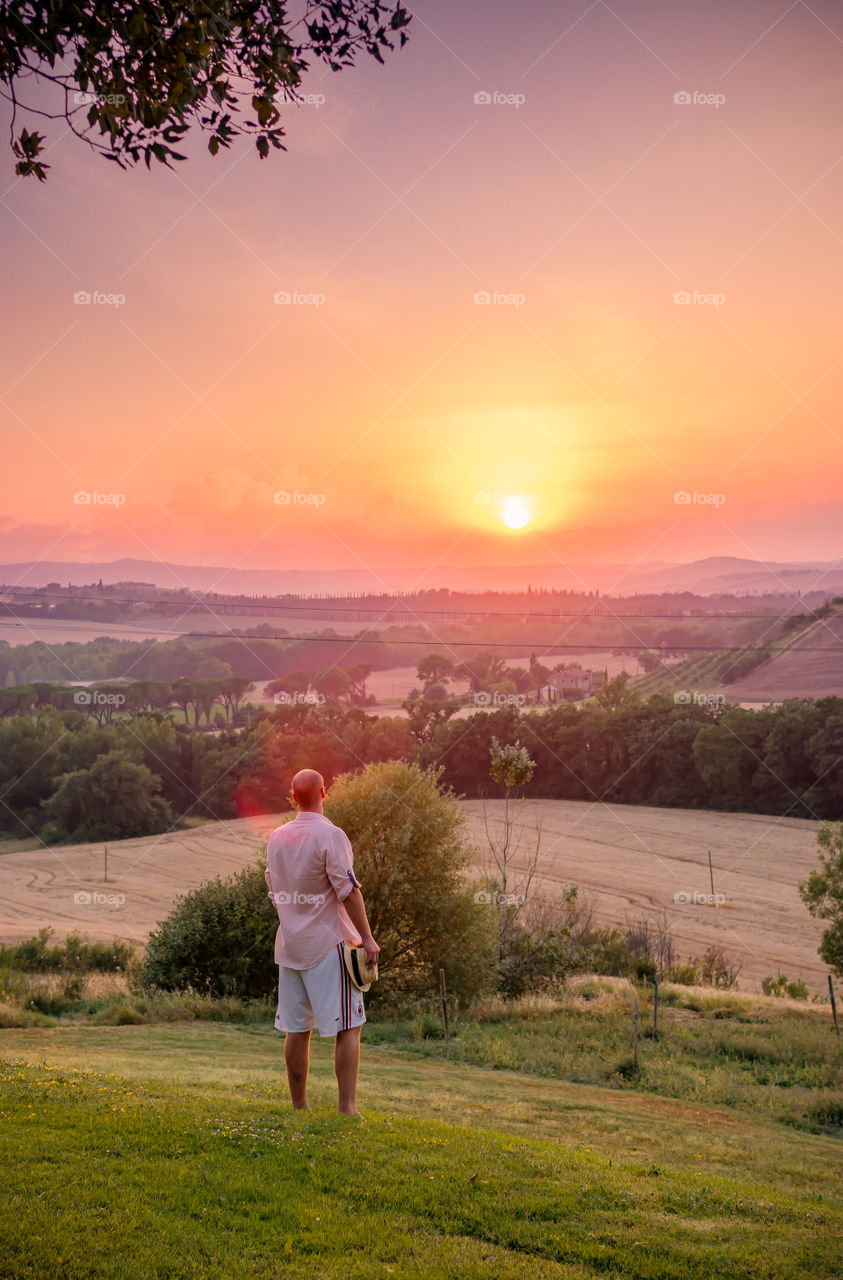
point(486, 671)
point(59, 779)
point(618, 747)
point(332, 684)
point(65, 777)
point(253, 653)
point(104, 702)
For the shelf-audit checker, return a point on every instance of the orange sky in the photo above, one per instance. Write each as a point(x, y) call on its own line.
point(398, 399)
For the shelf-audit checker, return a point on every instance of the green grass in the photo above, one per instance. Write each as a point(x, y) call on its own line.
point(726, 1049)
point(170, 1151)
point(721, 1050)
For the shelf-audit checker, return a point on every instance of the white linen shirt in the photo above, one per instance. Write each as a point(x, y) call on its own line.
point(309, 872)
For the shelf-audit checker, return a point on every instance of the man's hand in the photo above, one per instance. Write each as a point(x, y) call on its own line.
point(356, 909)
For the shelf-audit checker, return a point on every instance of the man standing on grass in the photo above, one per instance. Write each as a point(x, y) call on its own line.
point(310, 875)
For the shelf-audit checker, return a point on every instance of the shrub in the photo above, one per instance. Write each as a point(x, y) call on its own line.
point(605, 951)
point(827, 1111)
point(410, 855)
point(35, 955)
point(686, 975)
point(218, 939)
point(717, 971)
point(539, 951)
point(781, 987)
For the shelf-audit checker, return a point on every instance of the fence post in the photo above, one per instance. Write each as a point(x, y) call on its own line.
point(711, 879)
point(444, 998)
point(655, 1010)
point(105, 860)
point(635, 1037)
point(833, 1005)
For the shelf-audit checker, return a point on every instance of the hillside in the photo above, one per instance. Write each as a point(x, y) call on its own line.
point(807, 663)
point(178, 1155)
point(712, 575)
point(628, 860)
point(797, 671)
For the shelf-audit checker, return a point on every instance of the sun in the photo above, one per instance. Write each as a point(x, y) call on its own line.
point(516, 513)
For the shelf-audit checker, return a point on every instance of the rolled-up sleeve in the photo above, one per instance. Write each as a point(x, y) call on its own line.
point(339, 864)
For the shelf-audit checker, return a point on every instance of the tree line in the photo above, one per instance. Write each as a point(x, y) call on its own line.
point(63, 776)
point(104, 701)
point(249, 653)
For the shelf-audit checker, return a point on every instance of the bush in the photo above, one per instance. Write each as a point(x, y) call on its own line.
point(218, 940)
point(781, 987)
point(605, 951)
point(410, 855)
point(114, 799)
point(35, 955)
point(827, 1111)
point(718, 971)
point(685, 975)
point(539, 951)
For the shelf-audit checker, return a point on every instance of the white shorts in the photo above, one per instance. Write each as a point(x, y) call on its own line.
point(323, 997)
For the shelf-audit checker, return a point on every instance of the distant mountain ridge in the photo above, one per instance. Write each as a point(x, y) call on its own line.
point(709, 576)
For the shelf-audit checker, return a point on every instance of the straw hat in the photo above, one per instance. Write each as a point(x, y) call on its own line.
point(362, 974)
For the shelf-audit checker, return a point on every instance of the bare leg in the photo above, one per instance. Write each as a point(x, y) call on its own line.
point(346, 1065)
point(297, 1058)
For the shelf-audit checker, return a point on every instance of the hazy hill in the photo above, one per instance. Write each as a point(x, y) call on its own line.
point(711, 576)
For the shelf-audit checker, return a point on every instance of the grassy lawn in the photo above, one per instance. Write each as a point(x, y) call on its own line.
point(776, 1059)
point(169, 1150)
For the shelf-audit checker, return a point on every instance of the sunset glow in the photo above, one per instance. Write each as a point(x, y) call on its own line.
point(516, 513)
point(503, 326)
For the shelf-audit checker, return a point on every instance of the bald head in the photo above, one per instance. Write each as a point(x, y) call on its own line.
point(309, 789)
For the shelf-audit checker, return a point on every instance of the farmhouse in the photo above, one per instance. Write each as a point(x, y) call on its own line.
point(574, 681)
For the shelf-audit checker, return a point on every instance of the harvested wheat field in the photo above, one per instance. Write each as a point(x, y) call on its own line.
point(632, 860)
point(810, 667)
point(63, 886)
point(627, 860)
